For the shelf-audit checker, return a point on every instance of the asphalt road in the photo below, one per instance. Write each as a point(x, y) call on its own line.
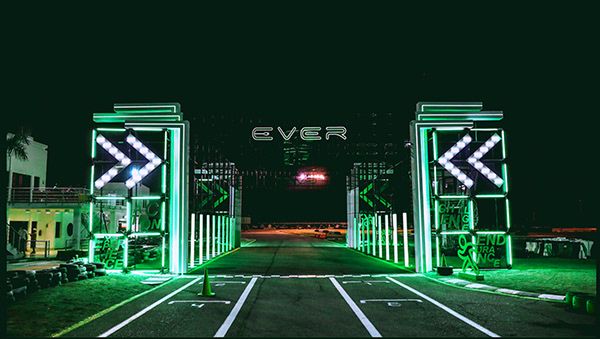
point(286, 285)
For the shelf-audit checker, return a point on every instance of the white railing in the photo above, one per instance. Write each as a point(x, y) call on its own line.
point(48, 195)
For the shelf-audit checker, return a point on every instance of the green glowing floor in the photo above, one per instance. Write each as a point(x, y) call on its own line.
point(52, 309)
point(546, 275)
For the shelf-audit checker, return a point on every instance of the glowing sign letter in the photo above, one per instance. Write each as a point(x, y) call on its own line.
point(310, 133)
point(262, 133)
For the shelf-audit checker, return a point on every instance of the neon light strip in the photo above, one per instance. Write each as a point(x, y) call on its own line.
point(208, 237)
point(192, 240)
point(213, 237)
point(509, 250)
point(147, 129)
point(379, 234)
point(395, 236)
point(489, 196)
point(200, 238)
point(405, 238)
point(374, 223)
point(490, 232)
point(104, 129)
point(387, 237)
point(434, 137)
point(149, 197)
point(453, 197)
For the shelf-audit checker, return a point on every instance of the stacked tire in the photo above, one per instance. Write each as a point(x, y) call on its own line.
point(581, 302)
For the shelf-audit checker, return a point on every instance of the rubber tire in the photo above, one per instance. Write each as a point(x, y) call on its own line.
point(590, 306)
point(578, 303)
point(100, 272)
point(98, 264)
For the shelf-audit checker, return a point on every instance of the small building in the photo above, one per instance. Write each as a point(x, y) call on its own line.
point(51, 217)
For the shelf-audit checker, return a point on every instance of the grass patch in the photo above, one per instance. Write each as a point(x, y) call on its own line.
point(546, 275)
point(50, 310)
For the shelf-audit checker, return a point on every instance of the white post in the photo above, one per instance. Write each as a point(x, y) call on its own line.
point(200, 238)
point(192, 240)
point(395, 228)
point(379, 236)
point(387, 237)
point(405, 238)
point(208, 236)
point(213, 236)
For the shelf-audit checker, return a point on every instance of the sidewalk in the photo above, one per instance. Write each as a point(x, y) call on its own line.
point(544, 278)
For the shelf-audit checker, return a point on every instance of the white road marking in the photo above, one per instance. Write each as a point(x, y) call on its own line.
point(197, 306)
point(236, 309)
point(368, 282)
point(147, 309)
point(364, 301)
point(361, 316)
point(552, 296)
point(447, 309)
point(200, 301)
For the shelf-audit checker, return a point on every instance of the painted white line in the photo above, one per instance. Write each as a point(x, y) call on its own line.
point(447, 309)
point(236, 309)
point(364, 301)
point(508, 291)
point(361, 316)
point(227, 302)
point(552, 296)
point(147, 309)
point(475, 285)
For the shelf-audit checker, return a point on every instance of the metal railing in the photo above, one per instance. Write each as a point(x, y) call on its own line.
point(19, 243)
point(48, 195)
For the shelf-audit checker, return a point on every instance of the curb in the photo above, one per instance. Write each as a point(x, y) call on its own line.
point(506, 291)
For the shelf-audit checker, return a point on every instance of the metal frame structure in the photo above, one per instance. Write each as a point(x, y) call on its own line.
point(432, 121)
point(119, 130)
point(216, 217)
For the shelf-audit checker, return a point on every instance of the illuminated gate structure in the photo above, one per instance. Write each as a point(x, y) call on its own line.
point(139, 188)
point(373, 221)
point(216, 206)
point(460, 187)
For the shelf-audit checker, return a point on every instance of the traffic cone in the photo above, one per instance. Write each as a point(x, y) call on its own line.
point(206, 291)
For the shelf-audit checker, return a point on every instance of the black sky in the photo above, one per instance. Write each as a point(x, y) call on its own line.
point(535, 64)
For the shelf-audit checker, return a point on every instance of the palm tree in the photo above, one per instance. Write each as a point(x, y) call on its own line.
point(16, 145)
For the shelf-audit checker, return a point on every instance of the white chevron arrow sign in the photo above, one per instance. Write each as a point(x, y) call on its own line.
point(124, 161)
point(444, 160)
point(153, 161)
point(481, 151)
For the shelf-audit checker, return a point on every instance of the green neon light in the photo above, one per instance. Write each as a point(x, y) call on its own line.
point(505, 177)
point(509, 250)
point(437, 251)
point(395, 236)
point(105, 129)
point(460, 117)
point(126, 253)
point(147, 129)
point(434, 137)
point(128, 223)
point(162, 216)
point(200, 238)
point(453, 197)
point(110, 198)
point(490, 232)
point(508, 224)
point(213, 236)
point(387, 237)
point(208, 234)
point(219, 240)
point(143, 111)
point(91, 246)
point(162, 260)
point(374, 223)
point(192, 239)
point(91, 221)
point(489, 196)
point(471, 215)
point(113, 117)
point(149, 197)
point(379, 234)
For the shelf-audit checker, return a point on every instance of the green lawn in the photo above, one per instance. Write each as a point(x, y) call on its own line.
point(50, 310)
point(549, 275)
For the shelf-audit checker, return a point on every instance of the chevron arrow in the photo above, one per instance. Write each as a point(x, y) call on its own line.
point(481, 151)
point(444, 160)
point(123, 161)
point(153, 161)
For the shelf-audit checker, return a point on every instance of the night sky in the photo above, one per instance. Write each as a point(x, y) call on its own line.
point(534, 63)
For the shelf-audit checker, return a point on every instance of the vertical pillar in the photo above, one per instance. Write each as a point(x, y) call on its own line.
point(200, 238)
